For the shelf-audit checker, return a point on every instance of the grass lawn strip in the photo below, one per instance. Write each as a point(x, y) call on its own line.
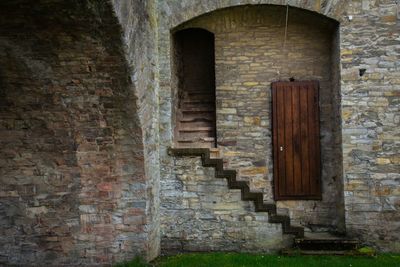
point(266, 260)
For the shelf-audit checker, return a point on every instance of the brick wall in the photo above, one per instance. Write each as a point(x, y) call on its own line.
point(72, 178)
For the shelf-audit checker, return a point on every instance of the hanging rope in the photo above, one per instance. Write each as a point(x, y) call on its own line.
point(286, 24)
point(285, 53)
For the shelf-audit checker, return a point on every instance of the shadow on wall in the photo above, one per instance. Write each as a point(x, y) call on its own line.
point(70, 143)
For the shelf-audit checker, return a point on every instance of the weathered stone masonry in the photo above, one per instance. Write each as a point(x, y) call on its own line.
point(86, 101)
point(139, 22)
point(370, 122)
point(359, 22)
point(73, 185)
point(200, 213)
point(249, 56)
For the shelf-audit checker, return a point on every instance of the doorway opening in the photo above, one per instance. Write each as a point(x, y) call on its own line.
point(194, 111)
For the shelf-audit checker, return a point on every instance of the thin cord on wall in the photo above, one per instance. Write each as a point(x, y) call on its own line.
point(286, 24)
point(285, 52)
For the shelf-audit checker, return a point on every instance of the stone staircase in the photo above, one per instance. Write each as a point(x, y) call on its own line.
point(309, 244)
point(208, 160)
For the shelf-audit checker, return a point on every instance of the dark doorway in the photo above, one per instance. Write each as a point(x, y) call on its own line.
point(195, 67)
point(296, 142)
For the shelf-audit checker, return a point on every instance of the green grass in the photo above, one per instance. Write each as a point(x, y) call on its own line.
point(136, 262)
point(268, 260)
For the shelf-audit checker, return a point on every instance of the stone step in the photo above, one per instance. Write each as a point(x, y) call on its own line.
point(195, 140)
point(197, 129)
point(195, 119)
point(294, 252)
point(200, 144)
point(325, 244)
point(324, 241)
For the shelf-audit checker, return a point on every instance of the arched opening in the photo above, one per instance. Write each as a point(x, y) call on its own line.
point(195, 103)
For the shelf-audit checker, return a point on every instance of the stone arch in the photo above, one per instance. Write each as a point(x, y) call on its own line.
point(193, 9)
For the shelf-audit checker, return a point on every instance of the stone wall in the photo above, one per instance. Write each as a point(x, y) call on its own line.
point(371, 120)
point(250, 53)
point(368, 39)
point(139, 22)
point(72, 175)
point(79, 187)
point(256, 164)
point(200, 213)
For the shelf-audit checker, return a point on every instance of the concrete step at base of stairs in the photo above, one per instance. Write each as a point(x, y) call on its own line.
point(296, 252)
point(323, 243)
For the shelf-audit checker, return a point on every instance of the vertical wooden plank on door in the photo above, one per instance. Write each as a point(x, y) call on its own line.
point(288, 147)
point(305, 163)
point(296, 140)
point(279, 138)
point(275, 137)
point(280, 188)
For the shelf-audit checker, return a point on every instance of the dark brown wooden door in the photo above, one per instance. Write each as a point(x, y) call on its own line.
point(295, 125)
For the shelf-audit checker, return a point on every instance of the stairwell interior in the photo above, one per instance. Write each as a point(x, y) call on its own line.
point(195, 113)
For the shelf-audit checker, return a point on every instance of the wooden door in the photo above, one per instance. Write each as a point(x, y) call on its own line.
point(295, 127)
